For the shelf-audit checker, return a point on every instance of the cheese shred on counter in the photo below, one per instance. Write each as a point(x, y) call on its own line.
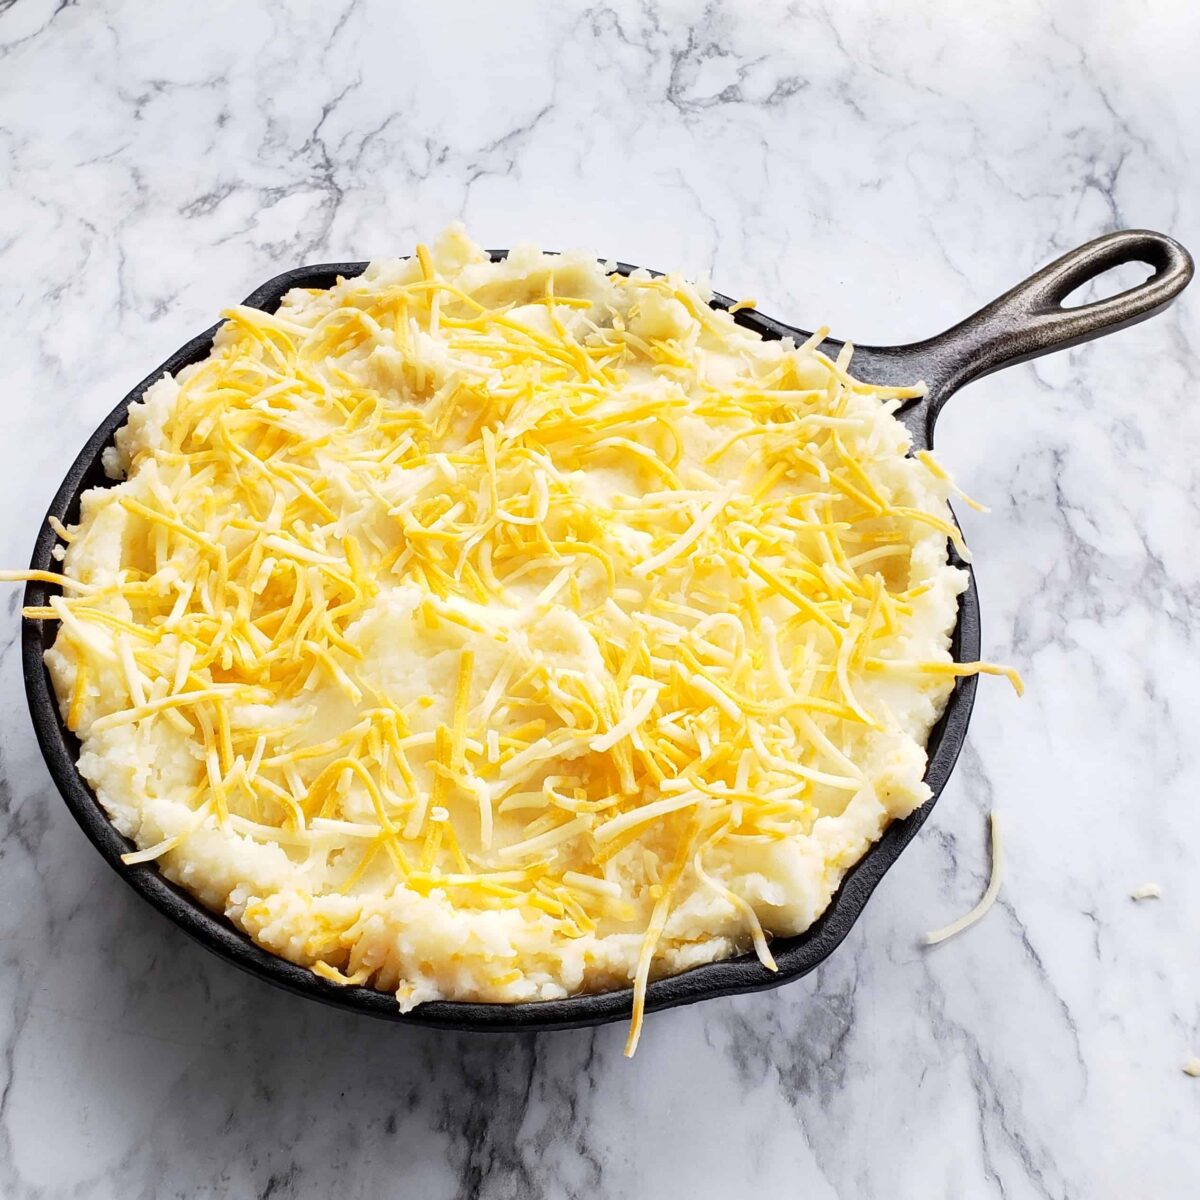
point(502, 631)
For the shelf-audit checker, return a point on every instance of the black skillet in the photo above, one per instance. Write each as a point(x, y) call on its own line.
point(1024, 323)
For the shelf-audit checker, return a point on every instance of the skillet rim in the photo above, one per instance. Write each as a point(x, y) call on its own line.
point(796, 956)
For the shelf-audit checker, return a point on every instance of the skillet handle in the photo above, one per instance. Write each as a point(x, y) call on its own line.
point(1029, 320)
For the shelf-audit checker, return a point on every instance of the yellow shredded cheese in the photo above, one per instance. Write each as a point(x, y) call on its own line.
point(500, 631)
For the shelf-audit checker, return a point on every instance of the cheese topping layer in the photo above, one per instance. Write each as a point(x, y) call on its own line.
point(497, 631)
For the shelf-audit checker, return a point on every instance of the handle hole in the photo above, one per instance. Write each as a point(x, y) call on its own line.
point(1108, 283)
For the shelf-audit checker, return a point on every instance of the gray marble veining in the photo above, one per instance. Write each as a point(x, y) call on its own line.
point(883, 169)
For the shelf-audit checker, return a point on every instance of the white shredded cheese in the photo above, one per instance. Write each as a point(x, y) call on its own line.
point(989, 896)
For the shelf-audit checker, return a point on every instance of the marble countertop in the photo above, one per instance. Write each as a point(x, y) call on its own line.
point(882, 169)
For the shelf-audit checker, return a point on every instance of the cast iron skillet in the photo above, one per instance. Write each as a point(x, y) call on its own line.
point(1026, 322)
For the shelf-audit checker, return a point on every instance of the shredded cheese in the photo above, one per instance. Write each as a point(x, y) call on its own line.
point(545, 608)
point(989, 896)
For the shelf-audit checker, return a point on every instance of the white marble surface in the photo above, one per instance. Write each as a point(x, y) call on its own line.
point(880, 168)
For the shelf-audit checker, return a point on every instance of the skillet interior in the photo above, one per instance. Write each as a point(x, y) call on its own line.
point(795, 956)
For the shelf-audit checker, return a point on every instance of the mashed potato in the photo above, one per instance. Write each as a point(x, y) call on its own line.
point(500, 631)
